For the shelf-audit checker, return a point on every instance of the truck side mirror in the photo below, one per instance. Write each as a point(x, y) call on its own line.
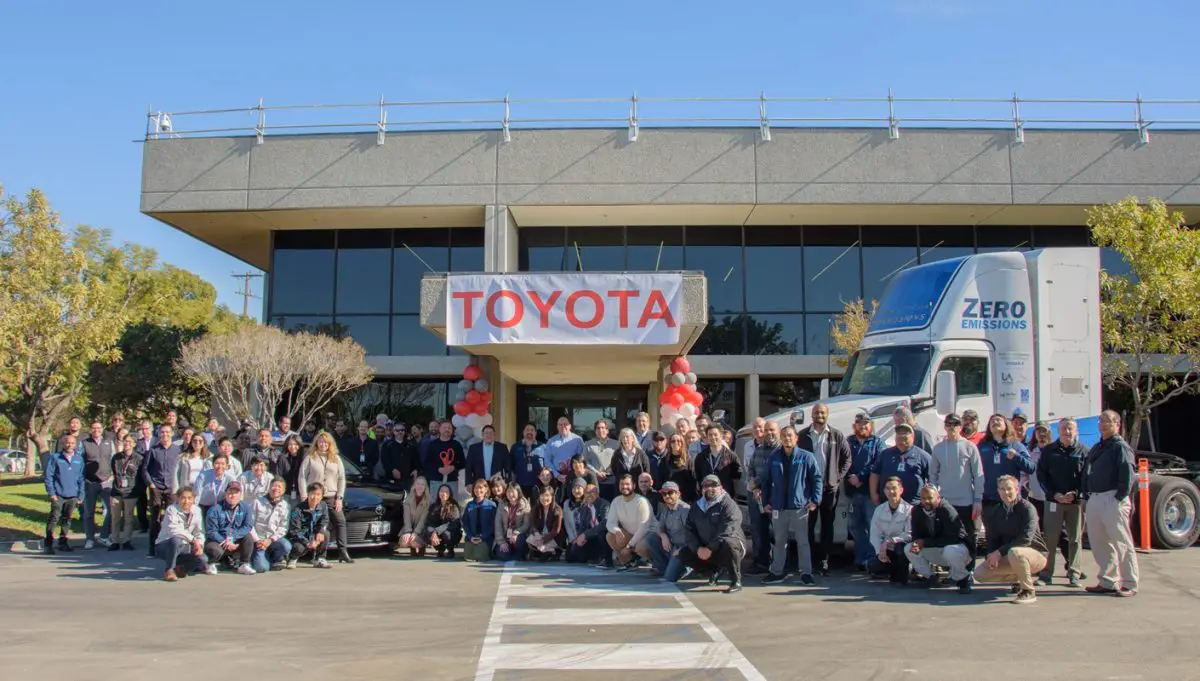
point(824, 389)
point(945, 393)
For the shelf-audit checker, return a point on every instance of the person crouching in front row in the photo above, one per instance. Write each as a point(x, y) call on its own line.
point(180, 541)
point(512, 524)
point(545, 526)
point(308, 528)
point(227, 527)
point(416, 512)
point(1016, 549)
point(443, 527)
point(715, 542)
point(479, 524)
point(271, 511)
point(891, 529)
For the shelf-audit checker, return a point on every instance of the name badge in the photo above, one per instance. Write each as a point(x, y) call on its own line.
point(774, 515)
point(362, 458)
point(528, 466)
point(1052, 507)
point(997, 459)
point(899, 466)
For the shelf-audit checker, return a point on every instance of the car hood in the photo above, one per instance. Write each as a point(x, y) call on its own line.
point(370, 496)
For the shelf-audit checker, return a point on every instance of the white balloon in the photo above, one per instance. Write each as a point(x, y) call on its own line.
point(691, 379)
point(462, 432)
point(481, 385)
point(465, 385)
point(687, 411)
point(458, 420)
point(677, 378)
point(485, 420)
point(666, 410)
point(472, 420)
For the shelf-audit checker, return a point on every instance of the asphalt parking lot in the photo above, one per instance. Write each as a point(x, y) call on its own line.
point(88, 615)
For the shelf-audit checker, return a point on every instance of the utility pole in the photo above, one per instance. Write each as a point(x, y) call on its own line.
point(246, 294)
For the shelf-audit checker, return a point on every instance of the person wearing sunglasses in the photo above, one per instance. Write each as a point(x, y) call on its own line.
point(957, 469)
point(662, 546)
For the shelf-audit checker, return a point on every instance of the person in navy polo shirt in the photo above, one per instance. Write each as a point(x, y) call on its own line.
point(905, 461)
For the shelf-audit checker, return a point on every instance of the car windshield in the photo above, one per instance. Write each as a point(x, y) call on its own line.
point(889, 370)
point(352, 468)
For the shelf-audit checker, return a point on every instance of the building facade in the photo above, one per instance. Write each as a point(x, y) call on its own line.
point(354, 231)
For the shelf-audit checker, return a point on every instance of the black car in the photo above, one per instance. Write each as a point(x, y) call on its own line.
point(373, 511)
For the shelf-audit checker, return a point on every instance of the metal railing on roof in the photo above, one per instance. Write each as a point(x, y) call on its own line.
point(633, 113)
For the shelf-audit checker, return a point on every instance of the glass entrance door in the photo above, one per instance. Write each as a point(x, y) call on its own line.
point(583, 405)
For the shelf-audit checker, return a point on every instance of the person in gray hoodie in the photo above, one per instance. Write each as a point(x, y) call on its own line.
point(661, 546)
point(957, 469)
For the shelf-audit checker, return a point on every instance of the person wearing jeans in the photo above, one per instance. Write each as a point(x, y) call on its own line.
point(271, 512)
point(97, 484)
point(791, 490)
point(864, 448)
point(65, 487)
point(957, 469)
point(180, 542)
point(670, 535)
point(760, 523)
point(308, 529)
point(158, 472)
point(227, 529)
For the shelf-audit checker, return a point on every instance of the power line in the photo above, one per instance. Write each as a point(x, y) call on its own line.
point(245, 293)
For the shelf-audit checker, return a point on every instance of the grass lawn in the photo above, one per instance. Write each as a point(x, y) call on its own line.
point(24, 510)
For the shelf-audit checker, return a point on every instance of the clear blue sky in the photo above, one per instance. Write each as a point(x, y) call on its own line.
point(78, 76)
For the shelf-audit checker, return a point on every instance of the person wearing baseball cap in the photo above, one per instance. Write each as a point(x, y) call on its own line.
point(970, 427)
point(865, 448)
point(1020, 426)
point(905, 461)
point(958, 471)
point(227, 529)
point(715, 543)
point(661, 546)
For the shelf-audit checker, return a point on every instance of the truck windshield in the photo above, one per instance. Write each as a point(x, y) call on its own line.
point(890, 370)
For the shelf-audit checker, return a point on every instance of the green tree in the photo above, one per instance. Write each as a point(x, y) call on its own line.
point(66, 301)
point(1148, 319)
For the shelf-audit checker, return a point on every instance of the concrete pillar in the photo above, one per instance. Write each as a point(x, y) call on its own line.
point(751, 397)
point(499, 240)
point(508, 421)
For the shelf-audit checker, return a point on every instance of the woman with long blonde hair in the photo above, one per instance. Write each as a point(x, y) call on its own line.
point(324, 465)
point(416, 512)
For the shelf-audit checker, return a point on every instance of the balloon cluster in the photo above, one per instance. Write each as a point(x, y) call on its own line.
point(680, 400)
point(472, 400)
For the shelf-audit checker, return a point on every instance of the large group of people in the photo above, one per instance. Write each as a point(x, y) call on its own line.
point(266, 498)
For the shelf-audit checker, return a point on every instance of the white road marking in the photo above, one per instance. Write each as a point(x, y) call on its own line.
point(719, 653)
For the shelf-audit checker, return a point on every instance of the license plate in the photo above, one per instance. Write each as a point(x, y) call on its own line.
point(379, 527)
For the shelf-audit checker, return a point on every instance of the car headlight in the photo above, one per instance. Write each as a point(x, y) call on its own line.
point(379, 511)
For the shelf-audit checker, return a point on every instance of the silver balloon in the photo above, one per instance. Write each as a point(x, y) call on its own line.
point(691, 378)
point(459, 395)
point(464, 385)
point(481, 385)
point(464, 433)
point(677, 378)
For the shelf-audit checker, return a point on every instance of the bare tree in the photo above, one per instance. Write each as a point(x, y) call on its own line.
point(254, 369)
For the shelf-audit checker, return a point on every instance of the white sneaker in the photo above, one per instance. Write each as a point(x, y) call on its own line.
point(292, 563)
point(105, 542)
point(245, 569)
point(88, 545)
point(210, 570)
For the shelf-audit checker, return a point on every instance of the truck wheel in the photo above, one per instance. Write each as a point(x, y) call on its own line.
point(1174, 503)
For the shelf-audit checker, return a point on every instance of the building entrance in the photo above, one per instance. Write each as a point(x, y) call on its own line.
point(583, 404)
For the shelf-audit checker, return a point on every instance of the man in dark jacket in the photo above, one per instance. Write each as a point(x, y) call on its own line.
point(308, 528)
point(832, 450)
point(263, 449)
point(938, 538)
point(158, 472)
point(1016, 551)
point(601, 555)
point(714, 535)
point(363, 450)
point(716, 458)
point(125, 487)
point(443, 457)
point(97, 484)
point(227, 527)
point(488, 458)
point(1060, 473)
point(791, 490)
point(1108, 479)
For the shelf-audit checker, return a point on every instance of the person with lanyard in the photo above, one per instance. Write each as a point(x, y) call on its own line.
point(363, 449)
point(921, 437)
point(661, 547)
point(715, 543)
point(829, 445)
point(158, 473)
point(578, 470)
point(957, 469)
point(642, 432)
point(479, 524)
point(227, 530)
point(211, 433)
point(891, 529)
point(1108, 479)
point(1002, 454)
point(488, 458)
point(579, 518)
point(125, 464)
point(64, 478)
point(528, 457)
point(97, 485)
point(398, 461)
point(1060, 472)
point(716, 458)
point(512, 524)
point(264, 449)
point(560, 449)
point(324, 465)
point(308, 528)
point(629, 458)
point(287, 467)
point(212, 483)
point(545, 528)
point(180, 541)
point(760, 522)
point(905, 461)
point(598, 453)
point(864, 449)
point(256, 481)
point(791, 490)
point(269, 531)
point(443, 527)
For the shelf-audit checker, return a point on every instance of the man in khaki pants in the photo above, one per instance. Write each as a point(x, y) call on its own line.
point(1016, 551)
point(1107, 482)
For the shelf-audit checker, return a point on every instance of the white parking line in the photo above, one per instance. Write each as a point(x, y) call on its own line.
point(719, 653)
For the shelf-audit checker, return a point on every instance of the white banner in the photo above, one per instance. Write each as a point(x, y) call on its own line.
point(563, 308)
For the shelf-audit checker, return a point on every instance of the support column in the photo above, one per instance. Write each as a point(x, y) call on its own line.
point(751, 397)
point(508, 421)
point(499, 240)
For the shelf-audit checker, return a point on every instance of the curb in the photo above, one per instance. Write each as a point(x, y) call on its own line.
point(26, 546)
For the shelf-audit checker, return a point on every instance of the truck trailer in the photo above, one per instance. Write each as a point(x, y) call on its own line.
point(994, 332)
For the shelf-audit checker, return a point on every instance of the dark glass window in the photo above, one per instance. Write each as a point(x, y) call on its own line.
point(404, 401)
point(542, 249)
point(416, 252)
point(596, 249)
point(819, 339)
point(466, 249)
point(832, 273)
point(944, 243)
point(369, 331)
point(886, 252)
point(364, 275)
point(309, 323)
point(724, 394)
point(717, 251)
point(410, 338)
point(774, 269)
point(995, 238)
point(302, 272)
point(652, 249)
point(775, 334)
point(1057, 237)
point(724, 335)
point(775, 395)
point(970, 374)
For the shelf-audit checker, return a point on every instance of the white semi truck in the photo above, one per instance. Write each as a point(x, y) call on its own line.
point(994, 332)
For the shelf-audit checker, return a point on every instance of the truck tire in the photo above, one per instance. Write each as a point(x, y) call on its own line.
point(1174, 504)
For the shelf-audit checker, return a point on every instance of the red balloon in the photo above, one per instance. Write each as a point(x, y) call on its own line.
point(676, 399)
point(694, 398)
point(473, 373)
point(473, 396)
point(485, 398)
point(481, 409)
point(680, 365)
point(462, 408)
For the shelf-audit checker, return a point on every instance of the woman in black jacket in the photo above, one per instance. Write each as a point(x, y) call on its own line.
point(287, 466)
point(545, 528)
point(629, 459)
point(678, 469)
point(443, 530)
